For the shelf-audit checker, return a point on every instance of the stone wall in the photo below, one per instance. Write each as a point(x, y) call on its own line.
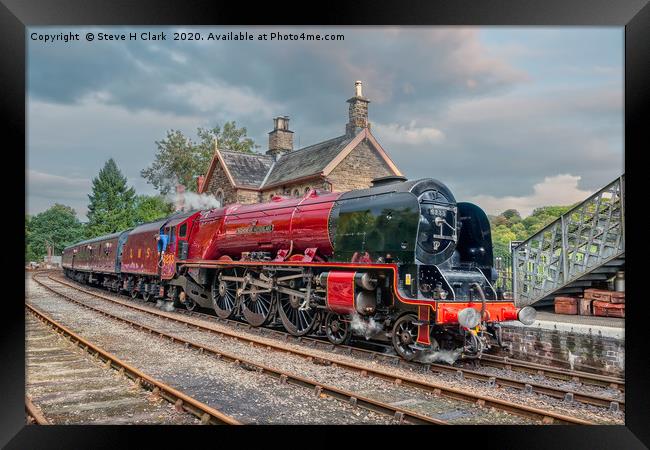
point(586, 351)
point(219, 180)
point(358, 169)
point(289, 189)
point(245, 196)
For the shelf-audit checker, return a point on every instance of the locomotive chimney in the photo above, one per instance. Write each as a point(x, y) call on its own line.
point(358, 111)
point(180, 197)
point(281, 138)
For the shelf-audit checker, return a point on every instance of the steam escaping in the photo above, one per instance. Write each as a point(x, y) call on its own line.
point(165, 305)
point(446, 356)
point(366, 328)
point(189, 201)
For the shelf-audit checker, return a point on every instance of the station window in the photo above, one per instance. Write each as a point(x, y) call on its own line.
point(296, 193)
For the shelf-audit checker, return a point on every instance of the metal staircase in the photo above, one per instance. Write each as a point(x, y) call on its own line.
point(586, 245)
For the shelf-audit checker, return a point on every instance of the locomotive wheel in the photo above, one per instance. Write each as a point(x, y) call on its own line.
point(405, 334)
point(258, 308)
point(296, 321)
point(224, 295)
point(337, 330)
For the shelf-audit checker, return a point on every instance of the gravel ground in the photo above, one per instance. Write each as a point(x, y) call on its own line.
point(372, 387)
point(248, 396)
point(70, 387)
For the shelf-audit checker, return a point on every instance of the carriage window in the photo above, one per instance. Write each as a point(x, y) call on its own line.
point(182, 230)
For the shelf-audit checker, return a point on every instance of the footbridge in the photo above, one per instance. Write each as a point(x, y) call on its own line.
point(581, 249)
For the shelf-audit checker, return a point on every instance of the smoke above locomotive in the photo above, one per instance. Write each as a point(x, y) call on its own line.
point(402, 254)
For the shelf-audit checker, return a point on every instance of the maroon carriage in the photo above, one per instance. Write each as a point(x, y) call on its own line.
point(93, 256)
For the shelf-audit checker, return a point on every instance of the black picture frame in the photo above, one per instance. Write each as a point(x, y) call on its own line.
point(634, 15)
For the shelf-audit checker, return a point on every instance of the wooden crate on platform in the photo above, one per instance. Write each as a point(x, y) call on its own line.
point(566, 305)
point(606, 309)
point(605, 296)
point(585, 306)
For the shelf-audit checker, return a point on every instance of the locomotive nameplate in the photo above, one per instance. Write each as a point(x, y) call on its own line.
point(255, 229)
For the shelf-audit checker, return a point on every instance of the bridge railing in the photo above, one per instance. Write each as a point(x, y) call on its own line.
point(583, 238)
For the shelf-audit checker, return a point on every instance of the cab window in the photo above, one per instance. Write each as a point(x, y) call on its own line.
point(182, 231)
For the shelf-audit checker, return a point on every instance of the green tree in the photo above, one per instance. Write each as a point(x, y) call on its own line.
point(509, 226)
point(112, 202)
point(150, 208)
point(58, 226)
point(180, 160)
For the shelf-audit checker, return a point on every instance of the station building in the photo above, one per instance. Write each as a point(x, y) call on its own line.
point(349, 161)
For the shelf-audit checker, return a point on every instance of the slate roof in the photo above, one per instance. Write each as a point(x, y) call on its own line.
point(307, 160)
point(248, 169)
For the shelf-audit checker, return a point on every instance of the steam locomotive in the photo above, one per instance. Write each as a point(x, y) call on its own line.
point(400, 262)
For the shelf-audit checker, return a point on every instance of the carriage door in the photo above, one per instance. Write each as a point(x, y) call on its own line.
point(168, 259)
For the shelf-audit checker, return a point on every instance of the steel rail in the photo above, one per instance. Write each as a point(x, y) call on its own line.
point(182, 402)
point(436, 389)
point(34, 413)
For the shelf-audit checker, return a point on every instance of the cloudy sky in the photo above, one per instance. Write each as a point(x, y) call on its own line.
point(507, 117)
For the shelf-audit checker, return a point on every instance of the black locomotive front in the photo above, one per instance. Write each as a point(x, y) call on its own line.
point(443, 253)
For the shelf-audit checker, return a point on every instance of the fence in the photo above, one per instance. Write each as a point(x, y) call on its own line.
point(582, 239)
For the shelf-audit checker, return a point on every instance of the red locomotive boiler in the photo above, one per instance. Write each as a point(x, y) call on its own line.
point(401, 261)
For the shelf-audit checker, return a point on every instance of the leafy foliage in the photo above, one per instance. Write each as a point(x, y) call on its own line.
point(180, 160)
point(509, 226)
point(150, 208)
point(112, 202)
point(57, 226)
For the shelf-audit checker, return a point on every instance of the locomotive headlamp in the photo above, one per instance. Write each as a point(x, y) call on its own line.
point(469, 317)
point(527, 315)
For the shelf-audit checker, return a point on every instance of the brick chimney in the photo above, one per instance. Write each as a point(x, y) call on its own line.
point(281, 138)
point(180, 197)
point(358, 112)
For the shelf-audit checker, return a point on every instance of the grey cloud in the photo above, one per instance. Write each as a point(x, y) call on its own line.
point(442, 103)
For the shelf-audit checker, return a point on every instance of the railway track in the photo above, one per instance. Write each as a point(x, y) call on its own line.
point(353, 401)
point(387, 354)
point(504, 362)
point(402, 379)
point(528, 386)
point(33, 415)
point(181, 401)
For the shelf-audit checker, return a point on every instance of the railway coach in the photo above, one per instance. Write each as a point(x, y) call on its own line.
point(401, 261)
